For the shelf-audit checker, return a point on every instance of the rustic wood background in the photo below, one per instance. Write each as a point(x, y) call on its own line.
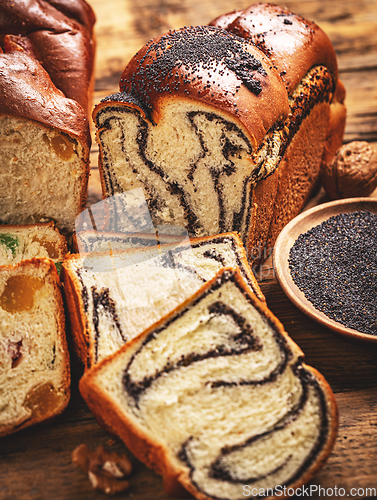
point(35, 464)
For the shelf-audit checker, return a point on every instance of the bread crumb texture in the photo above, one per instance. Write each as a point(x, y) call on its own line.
point(34, 366)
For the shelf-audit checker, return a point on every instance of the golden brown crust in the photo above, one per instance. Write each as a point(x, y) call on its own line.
point(263, 204)
point(148, 448)
point(223, 72)
point(28, 93)
point(292, 43)
point(299, 171)
point(337, 124)
point(76, 317)
point(59, 34)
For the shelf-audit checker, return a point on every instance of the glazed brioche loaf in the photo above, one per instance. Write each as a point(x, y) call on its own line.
point(243, 409)
point(219, 133)
point(57, 33)
point(112, 297)
point(34, 240)
point(34, 372)
point(44, 147)
point(46, 71)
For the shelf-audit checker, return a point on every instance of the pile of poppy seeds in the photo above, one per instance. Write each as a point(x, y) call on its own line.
point(335, 265)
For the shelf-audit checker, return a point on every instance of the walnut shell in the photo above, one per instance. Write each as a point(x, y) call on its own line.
point(352, 173)
point(106, 470)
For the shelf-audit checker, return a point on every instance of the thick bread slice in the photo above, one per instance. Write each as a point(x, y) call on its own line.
point(216, 397)
point(34, 372)
point(34, 240)
point(109, 306)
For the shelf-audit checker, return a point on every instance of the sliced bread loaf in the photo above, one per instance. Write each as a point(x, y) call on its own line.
point(112, 297)
point(34, 368)
point(225, 130)
point(216, 398)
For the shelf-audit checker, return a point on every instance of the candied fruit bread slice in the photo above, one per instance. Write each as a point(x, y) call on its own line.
point(22, 242)
point(34, 372)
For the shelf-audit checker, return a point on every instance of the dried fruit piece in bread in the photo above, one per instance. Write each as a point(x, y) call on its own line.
point(34, 368)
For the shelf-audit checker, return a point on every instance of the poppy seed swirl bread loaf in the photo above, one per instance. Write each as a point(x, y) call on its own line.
point(219, 135)
point(243, 409)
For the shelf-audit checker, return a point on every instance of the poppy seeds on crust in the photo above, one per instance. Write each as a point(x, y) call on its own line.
point(335, 265)
point(195, 50)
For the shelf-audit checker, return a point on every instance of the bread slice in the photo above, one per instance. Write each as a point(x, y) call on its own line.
point(34, 240)
point(112, 297)
point(220, 135)
point(103, 241)
point(216, 397)
point(34, 372)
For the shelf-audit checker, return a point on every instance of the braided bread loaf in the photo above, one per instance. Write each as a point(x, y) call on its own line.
point(46, 68)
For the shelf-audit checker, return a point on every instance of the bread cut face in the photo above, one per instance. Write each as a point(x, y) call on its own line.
point(34, 240)
point(216, 396)
point(45, 171)
point(34, 372)
point(196, 166)
point(112, 298)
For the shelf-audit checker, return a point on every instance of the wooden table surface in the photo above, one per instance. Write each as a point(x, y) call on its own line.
point(35, 464)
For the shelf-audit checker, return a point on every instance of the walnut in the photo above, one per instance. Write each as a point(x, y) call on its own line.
point(106, 471)
point(352, 173)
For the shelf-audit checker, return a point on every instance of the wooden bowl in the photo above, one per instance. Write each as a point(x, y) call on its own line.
point(299, 225)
